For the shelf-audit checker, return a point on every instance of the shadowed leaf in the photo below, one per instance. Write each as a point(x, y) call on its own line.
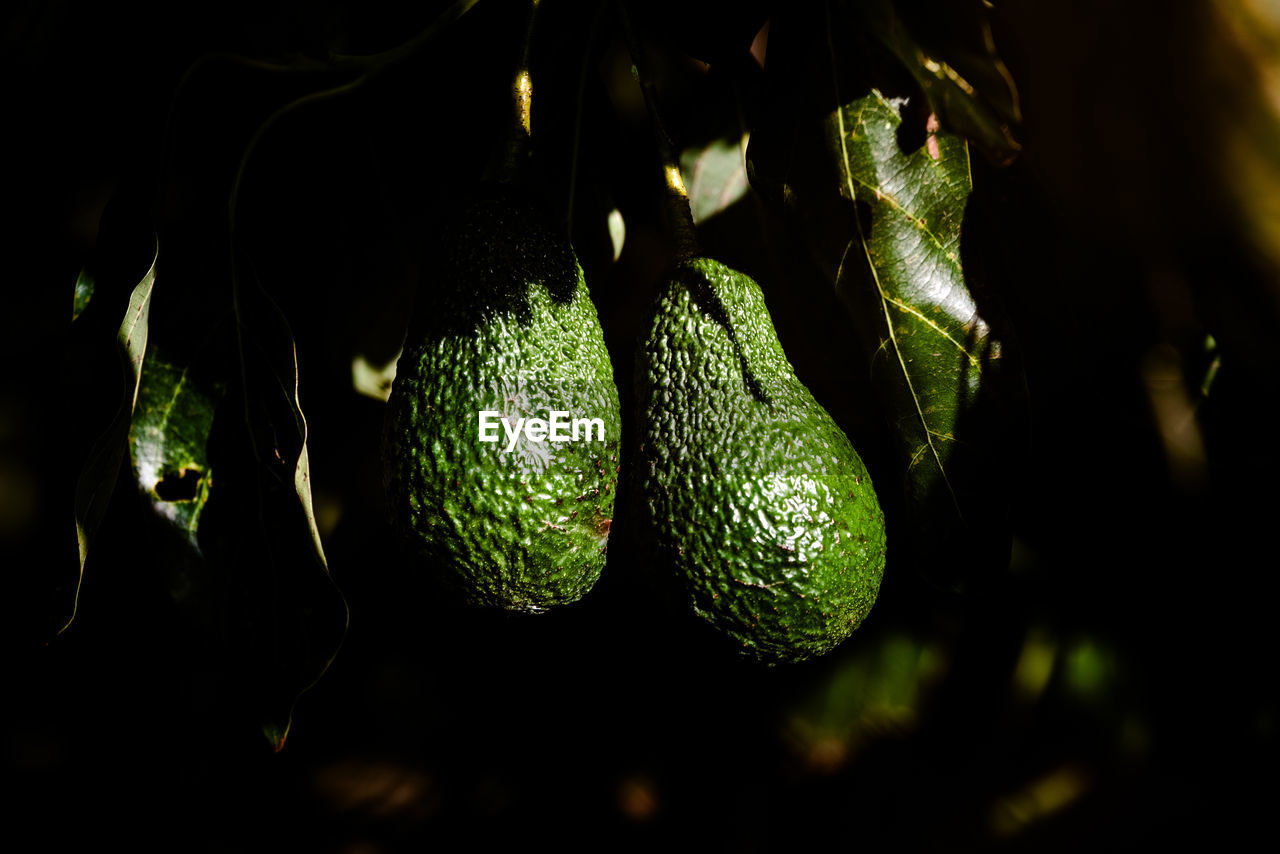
point(239, 551)
point(97, 479)
point(965, 81)
point(260, 526)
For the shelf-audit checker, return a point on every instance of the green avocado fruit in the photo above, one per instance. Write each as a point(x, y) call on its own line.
point(751, 488)
point(504, 325)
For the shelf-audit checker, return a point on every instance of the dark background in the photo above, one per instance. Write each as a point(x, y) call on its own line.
point(1113, 686)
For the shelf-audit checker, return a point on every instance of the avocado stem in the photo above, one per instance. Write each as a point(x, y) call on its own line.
point(675, 196)
point(588, 50)
point(516, 154)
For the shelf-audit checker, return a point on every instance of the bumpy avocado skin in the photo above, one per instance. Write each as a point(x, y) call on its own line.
point(505, 325)
point(751, 488)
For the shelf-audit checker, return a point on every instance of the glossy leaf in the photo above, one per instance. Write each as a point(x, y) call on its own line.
point(903, 278)
point(97, 479)
point(168, 443)
point(714, 176)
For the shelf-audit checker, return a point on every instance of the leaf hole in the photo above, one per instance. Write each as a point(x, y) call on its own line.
point(914, 129)
point(179, 487)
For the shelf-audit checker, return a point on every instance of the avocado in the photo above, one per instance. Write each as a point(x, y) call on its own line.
point(507, 328)
point(751, 489)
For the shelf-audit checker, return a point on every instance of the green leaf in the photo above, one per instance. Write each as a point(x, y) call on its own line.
point(979, 102)
point(84, 292)
point(168, 443)
point(714, 176)
point(169, 449)
point(903, 280)
point(933, 338)
point(97, 479)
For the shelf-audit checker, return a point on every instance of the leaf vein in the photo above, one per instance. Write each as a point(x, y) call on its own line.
point(932, 324)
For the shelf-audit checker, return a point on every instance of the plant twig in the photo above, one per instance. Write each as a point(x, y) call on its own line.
point(377, 62)
point(577, 118)
point(515, 156)
point(369, 66)
point(674, 194)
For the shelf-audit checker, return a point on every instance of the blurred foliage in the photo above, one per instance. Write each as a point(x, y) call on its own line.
point(876, 690)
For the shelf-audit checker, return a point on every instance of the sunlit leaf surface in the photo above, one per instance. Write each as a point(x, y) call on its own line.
point(933, 347)
point(715, 176)
point(932, 332)
point(169, 443)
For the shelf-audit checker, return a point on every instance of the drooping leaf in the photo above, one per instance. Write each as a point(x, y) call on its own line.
point(260, 527)
point(715, 177)
point(966, 83)
point(84, 292)
point(97, 479)
point(931, 349)
point(234, 536)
